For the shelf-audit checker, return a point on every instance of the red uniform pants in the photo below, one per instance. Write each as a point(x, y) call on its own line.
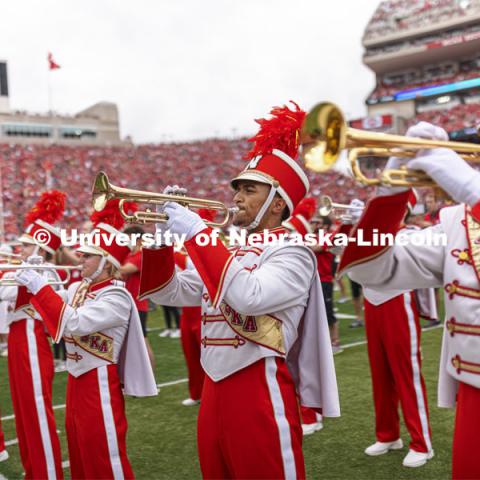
point(393, 340)
point(190, 327)
point(2, 438)
point(249, 425)
point(30, 370)
point(97, 426)
point(466, 444)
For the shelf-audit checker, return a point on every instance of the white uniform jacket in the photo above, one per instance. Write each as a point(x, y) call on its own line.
point(257, 301)
point(103, 329)
point(455, 267)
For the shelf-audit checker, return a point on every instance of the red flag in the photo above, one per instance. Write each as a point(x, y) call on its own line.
point(52, 65)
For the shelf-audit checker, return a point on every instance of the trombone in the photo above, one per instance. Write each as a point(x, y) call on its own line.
point(103, 191)
point(11, 282)
point(328, 206)
point(325, 134)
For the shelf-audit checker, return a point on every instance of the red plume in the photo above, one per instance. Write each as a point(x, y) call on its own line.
point(207, 214)
point(48, 208)
point(111, 214)
point(281, 131)
point(307, 207)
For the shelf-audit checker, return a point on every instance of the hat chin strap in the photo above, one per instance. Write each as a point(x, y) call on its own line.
point(98, 271)
point(261, 212)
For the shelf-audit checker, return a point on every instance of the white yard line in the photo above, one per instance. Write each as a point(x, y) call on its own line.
point(343, 316)
point(174, 382)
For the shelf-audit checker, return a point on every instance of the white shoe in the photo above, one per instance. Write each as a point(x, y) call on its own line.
point(175, 333)
point(60, 366)
point(165, 333)
point(4, 353)
point(3, 455)
point(190, 402)
point(417, 459)
point(309, 428)
point(336, 349)
point(379, 448)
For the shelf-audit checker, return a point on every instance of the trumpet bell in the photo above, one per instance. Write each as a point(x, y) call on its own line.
point(323, 137)
point(326, 207)
point(101, 191)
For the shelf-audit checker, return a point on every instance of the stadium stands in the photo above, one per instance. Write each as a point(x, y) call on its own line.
point(203, 167)
point(396, 16)
point(456, 118)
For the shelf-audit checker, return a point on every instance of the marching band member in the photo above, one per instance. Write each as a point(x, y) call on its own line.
point(262, 308)
point(392, 326)
point(30, 360)
point(105, 352)
point(454, 266)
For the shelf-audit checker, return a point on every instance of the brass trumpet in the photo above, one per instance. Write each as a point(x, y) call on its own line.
point(11, 282)
point(328, 206)
point(103, 191)
point(325, 134)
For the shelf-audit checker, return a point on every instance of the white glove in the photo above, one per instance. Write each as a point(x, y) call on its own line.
point(35, 260)
point(31, 279)
point(161, 228)
point(451, 172)
point(356, 213)
point(183, 221)
point(420, 130)
point(346, 219)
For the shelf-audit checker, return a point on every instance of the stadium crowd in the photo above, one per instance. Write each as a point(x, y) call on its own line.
point(451, 119)
point(395, 16)
point(27, 170)
point(426, 41)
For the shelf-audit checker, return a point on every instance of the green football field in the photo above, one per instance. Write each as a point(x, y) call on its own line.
point(162, 433)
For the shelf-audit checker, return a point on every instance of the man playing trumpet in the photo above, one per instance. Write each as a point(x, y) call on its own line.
point(455, 267)
point(262, 309)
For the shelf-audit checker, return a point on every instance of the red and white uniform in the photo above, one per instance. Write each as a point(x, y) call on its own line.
point(393, 342)
point(30, 368)
point(260, 310)
point(455, 267)
point(392, 324)
point(190, 327)
point(105, 352)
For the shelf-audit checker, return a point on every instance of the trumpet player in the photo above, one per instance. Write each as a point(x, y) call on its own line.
point(261, 309)
point(454, 266)
point(105, 352)
point(30, 360)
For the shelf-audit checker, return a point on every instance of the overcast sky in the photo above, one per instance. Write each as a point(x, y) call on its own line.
point(186, 69)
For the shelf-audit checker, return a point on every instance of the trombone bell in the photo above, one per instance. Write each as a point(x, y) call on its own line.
point(323, 137)
point(325, 134)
